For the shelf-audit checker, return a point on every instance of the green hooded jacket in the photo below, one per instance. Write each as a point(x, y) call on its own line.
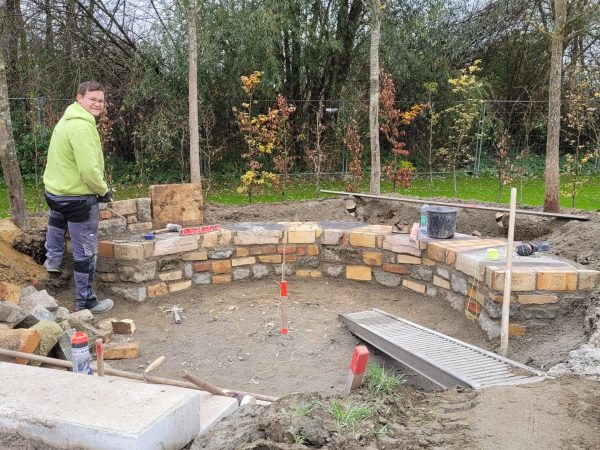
point(75, 163)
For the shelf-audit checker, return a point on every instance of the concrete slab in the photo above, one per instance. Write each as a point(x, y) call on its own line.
point(72, 410)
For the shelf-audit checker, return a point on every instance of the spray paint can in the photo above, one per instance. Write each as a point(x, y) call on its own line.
point(80, 353)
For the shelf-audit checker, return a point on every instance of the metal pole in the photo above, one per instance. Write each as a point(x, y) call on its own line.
point(458, 205)
point(508, 275)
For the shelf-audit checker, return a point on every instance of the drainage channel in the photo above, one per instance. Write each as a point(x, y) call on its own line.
point(445, 361)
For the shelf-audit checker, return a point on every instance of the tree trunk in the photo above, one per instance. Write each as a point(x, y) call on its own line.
point(552, 172)
point(374, 98)
point(193, 95)
point(8, 156)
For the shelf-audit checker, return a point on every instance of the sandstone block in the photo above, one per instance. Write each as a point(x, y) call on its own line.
point(373, 258)
point(10, 292)
point(180, 286)
point(555, 280)
point(144, 209)
point(221, 266)
point(428, 262)
point(515, 329)
point(21, 340)
point(171, 245)
point(177, 203)
point(408, 259)
point(128, 251)
point(122, 350)
point(301, 236)
point(414, 286)
point(221, 278)
point(312, 250)
point(139, 227)
point(49, 333)
point(156, 290)
point(34, 315)
point(331, 237)
point(306, 273)
point(243, 261)
point(395, 268)
point(436, 252)
point(401, 243)
point(360, 239)
point(588, 280)
point(536, 299)
point(360, 273)
point(170, 276)
point(522, 280)
point(257, 237)
point(124, 207)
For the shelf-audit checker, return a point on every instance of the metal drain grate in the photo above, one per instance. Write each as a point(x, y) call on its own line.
point(445, 361)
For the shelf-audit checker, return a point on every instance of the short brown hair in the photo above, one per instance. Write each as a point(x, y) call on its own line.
point(88, 86)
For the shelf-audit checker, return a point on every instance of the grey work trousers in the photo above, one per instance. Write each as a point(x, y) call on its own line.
point(80, 215)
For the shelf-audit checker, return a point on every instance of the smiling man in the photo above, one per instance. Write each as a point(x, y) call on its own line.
point(74, 183)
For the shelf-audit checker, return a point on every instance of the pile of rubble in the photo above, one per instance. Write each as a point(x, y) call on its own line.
point(31, 321)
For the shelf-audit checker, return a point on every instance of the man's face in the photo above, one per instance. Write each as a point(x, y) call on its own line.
point(92, 102)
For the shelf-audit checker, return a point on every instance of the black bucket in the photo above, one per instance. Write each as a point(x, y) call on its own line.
point(441, 222)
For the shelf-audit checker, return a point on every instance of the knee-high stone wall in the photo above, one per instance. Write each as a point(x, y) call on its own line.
point(456, 270)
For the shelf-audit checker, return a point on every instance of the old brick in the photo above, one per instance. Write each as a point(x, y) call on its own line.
point(242, 252)
point(21, 340)
point(395, 268)
point(105, 249)
point(373, 258)
point(180, 286)
point(308, 273)
point(515, 329)
point(268, 249)
point(222, 279)
point(414, 286)
point(360, 273)
point(312, 250)
point(301, 250)
point(156, 290)
point(202, 266)
point(436, 252)
point(105, 214)
point(222, 266)
point(270, 259)
point(288, 249)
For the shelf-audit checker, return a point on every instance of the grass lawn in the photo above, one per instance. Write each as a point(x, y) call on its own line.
point(469, 188)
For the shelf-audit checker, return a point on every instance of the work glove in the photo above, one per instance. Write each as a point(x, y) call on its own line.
point(106, 198)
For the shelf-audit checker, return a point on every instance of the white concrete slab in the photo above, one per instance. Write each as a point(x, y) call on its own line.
point(72, 410)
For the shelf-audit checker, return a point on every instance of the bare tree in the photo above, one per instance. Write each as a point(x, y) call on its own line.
point(8, 155)
point(374, 97)
point(193, 94)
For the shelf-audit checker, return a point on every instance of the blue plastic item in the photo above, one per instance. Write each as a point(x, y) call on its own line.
point(423, 227)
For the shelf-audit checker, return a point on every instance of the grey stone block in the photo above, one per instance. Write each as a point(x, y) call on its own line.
point(489, 326)
point(168, 263)
point(49, 333)
point(144, 212)
point(42, 298)
point(220, 253)
point(136, 294)
point(26, 291)
point(82, 316)
point(443, 272)
point(540, 312)
point(309, 261)
point(202, 278)
point(422, 273)
point(329, 255)
point(34, 316)
point(432, 291)
point(458, 283)
point(111, 227)
point(61, 313)
point(240, 273)
point(9, 312)
point(289, 269)
point(139, 273)
point(259, 271)
point(188, 271)
point(494, 309)
point(456, 301)
point(333, 271)
point(387, 278)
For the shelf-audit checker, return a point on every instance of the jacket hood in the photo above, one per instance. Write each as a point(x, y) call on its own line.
point(76, 111)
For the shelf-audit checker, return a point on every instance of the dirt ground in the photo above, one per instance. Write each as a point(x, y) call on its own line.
point(230, 337)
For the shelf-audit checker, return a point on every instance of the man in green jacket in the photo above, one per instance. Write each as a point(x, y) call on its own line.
point(74, 182)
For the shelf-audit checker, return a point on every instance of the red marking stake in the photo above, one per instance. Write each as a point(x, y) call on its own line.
point(357, 368)
point(283, 307)
point(100, 357)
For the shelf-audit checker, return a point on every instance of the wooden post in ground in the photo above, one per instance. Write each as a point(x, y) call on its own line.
point(357, 368)
point(508, 275)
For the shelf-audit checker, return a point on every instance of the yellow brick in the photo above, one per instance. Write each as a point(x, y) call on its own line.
point(156, 290)
point(521, 280)
point(536, 299)
point(361, 273)
point(515, 329)
point(451, 257)
point(174, 287)
point(440, 282)
point(554, 280)
point(301, 236)
point(372, 258)
point(428, 262)
point(200, 255)
point(243, 261)
point(358, 239)
point(408, 259)
point(414, 286)
point(312, 250)
point(308, 273)
point(270, 259)
point(588, 280)
point(222, 279)
point(171, 276)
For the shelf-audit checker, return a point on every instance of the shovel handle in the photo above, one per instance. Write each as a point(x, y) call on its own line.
point(154, 364)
